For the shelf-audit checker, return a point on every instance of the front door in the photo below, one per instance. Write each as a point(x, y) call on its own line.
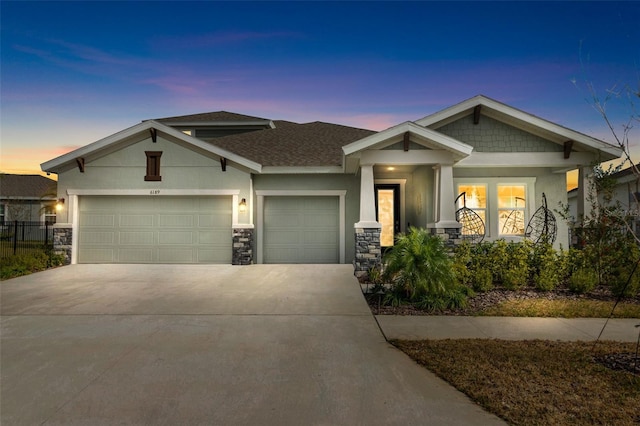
point(388, 212)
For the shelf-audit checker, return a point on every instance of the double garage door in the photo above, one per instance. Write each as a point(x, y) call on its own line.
point(159, 229)
point(301, 229)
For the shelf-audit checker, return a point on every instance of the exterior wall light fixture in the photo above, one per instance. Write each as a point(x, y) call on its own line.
point(243, 205)
point(60, 204)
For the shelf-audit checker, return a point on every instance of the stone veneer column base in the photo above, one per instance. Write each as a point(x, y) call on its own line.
point(450, 236)
point(368, 253)
point(62, 242)
point(242, 246)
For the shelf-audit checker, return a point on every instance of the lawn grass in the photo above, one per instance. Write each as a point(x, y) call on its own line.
point(561, 309)
point(536, 382)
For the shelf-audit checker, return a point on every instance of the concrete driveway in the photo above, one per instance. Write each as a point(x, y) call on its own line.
point(208, 344)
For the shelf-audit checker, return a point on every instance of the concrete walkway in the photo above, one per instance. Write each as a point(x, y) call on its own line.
point(208, 344)
point(460, 327)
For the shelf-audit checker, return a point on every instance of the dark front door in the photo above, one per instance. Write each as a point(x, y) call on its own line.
point(388, 212)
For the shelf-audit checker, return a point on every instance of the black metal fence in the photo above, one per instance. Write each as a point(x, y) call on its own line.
point(19, 237)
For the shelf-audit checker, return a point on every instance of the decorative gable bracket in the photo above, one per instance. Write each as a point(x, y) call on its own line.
point(568, 145)
point(80, 163)
point(154, 134)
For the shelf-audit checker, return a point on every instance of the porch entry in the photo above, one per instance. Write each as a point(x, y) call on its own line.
point(388, 212)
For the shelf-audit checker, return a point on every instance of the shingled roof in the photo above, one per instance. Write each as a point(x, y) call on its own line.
point(315, 144)
point(26, 186)
point(216, 116)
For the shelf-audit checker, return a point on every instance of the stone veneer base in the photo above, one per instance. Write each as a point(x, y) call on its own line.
point(242, 246)
point(368, 252)
point(62, 243)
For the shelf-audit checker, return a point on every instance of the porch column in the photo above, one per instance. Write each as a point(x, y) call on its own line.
point(445, 224)
point(367, 198)
point(445, 214)
point(368, 254)
point(584, 206)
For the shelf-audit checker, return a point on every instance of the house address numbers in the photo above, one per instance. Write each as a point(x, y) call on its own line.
point(154, 192)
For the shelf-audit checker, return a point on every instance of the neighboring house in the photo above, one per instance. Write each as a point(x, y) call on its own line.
point(228, 188)
point(626, 194)
point(27, 198)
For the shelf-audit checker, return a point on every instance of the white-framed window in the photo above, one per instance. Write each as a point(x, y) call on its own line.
point(504, 204)
point(49, 215)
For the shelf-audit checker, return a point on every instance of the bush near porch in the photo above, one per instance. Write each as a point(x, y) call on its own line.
point(420, 273)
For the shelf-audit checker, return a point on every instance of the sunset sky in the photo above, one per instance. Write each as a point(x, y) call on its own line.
point(75, 72)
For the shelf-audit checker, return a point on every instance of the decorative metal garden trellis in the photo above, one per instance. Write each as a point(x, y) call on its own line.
point(473, 228)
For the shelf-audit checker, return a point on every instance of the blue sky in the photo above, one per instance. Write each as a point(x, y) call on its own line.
point(75, 72)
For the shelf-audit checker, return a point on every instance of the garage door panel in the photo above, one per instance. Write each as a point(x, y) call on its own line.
point(99, 255)
point(176, 255)
point(96, 220)
point(94, 237)
point(301, 229)
point(136, 221)
point(155, 229)
point(210, 256)
point(175, 237)
point(323, 255)
point(213, 237)
point(323, 237)
point(136, 238)
point(176, 220)
point(280, 219)
point(322, 220)
point(135, 255)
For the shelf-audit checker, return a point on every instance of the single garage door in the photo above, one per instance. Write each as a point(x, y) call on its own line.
point(154, 229)
point(301, 230)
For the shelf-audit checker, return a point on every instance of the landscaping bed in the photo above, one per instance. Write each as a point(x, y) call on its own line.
point(526, 302)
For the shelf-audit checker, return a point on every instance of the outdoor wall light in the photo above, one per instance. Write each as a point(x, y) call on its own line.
point(59, 204)
point(243, 205)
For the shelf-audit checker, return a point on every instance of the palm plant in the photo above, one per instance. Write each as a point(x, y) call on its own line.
point(418, 264)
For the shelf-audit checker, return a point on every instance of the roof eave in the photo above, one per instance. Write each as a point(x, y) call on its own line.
point(61, 163)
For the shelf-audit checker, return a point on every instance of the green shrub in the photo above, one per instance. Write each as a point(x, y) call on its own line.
point(583, 280)
point(462, 264)
point(23, 264)
point(515, 274)
point(546, 267)
point(418, 264)
point(482, 280)
point(456, 298)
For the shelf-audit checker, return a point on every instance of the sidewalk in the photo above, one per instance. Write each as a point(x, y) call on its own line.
point(507, 328)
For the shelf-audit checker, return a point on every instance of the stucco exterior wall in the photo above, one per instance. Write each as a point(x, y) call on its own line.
point(491, 135)
point(180, 168)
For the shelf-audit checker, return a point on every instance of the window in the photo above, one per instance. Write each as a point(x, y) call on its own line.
point(503, 205)
point(475, 198)
point(511, 209)
point(153, 166)
point(50, 213)
point(3, 214)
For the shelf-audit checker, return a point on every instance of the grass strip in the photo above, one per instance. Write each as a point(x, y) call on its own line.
point(561, 309)
point(535, 382)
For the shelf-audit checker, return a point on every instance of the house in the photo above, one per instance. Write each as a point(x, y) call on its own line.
point(229, 188)
point(27, 198)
